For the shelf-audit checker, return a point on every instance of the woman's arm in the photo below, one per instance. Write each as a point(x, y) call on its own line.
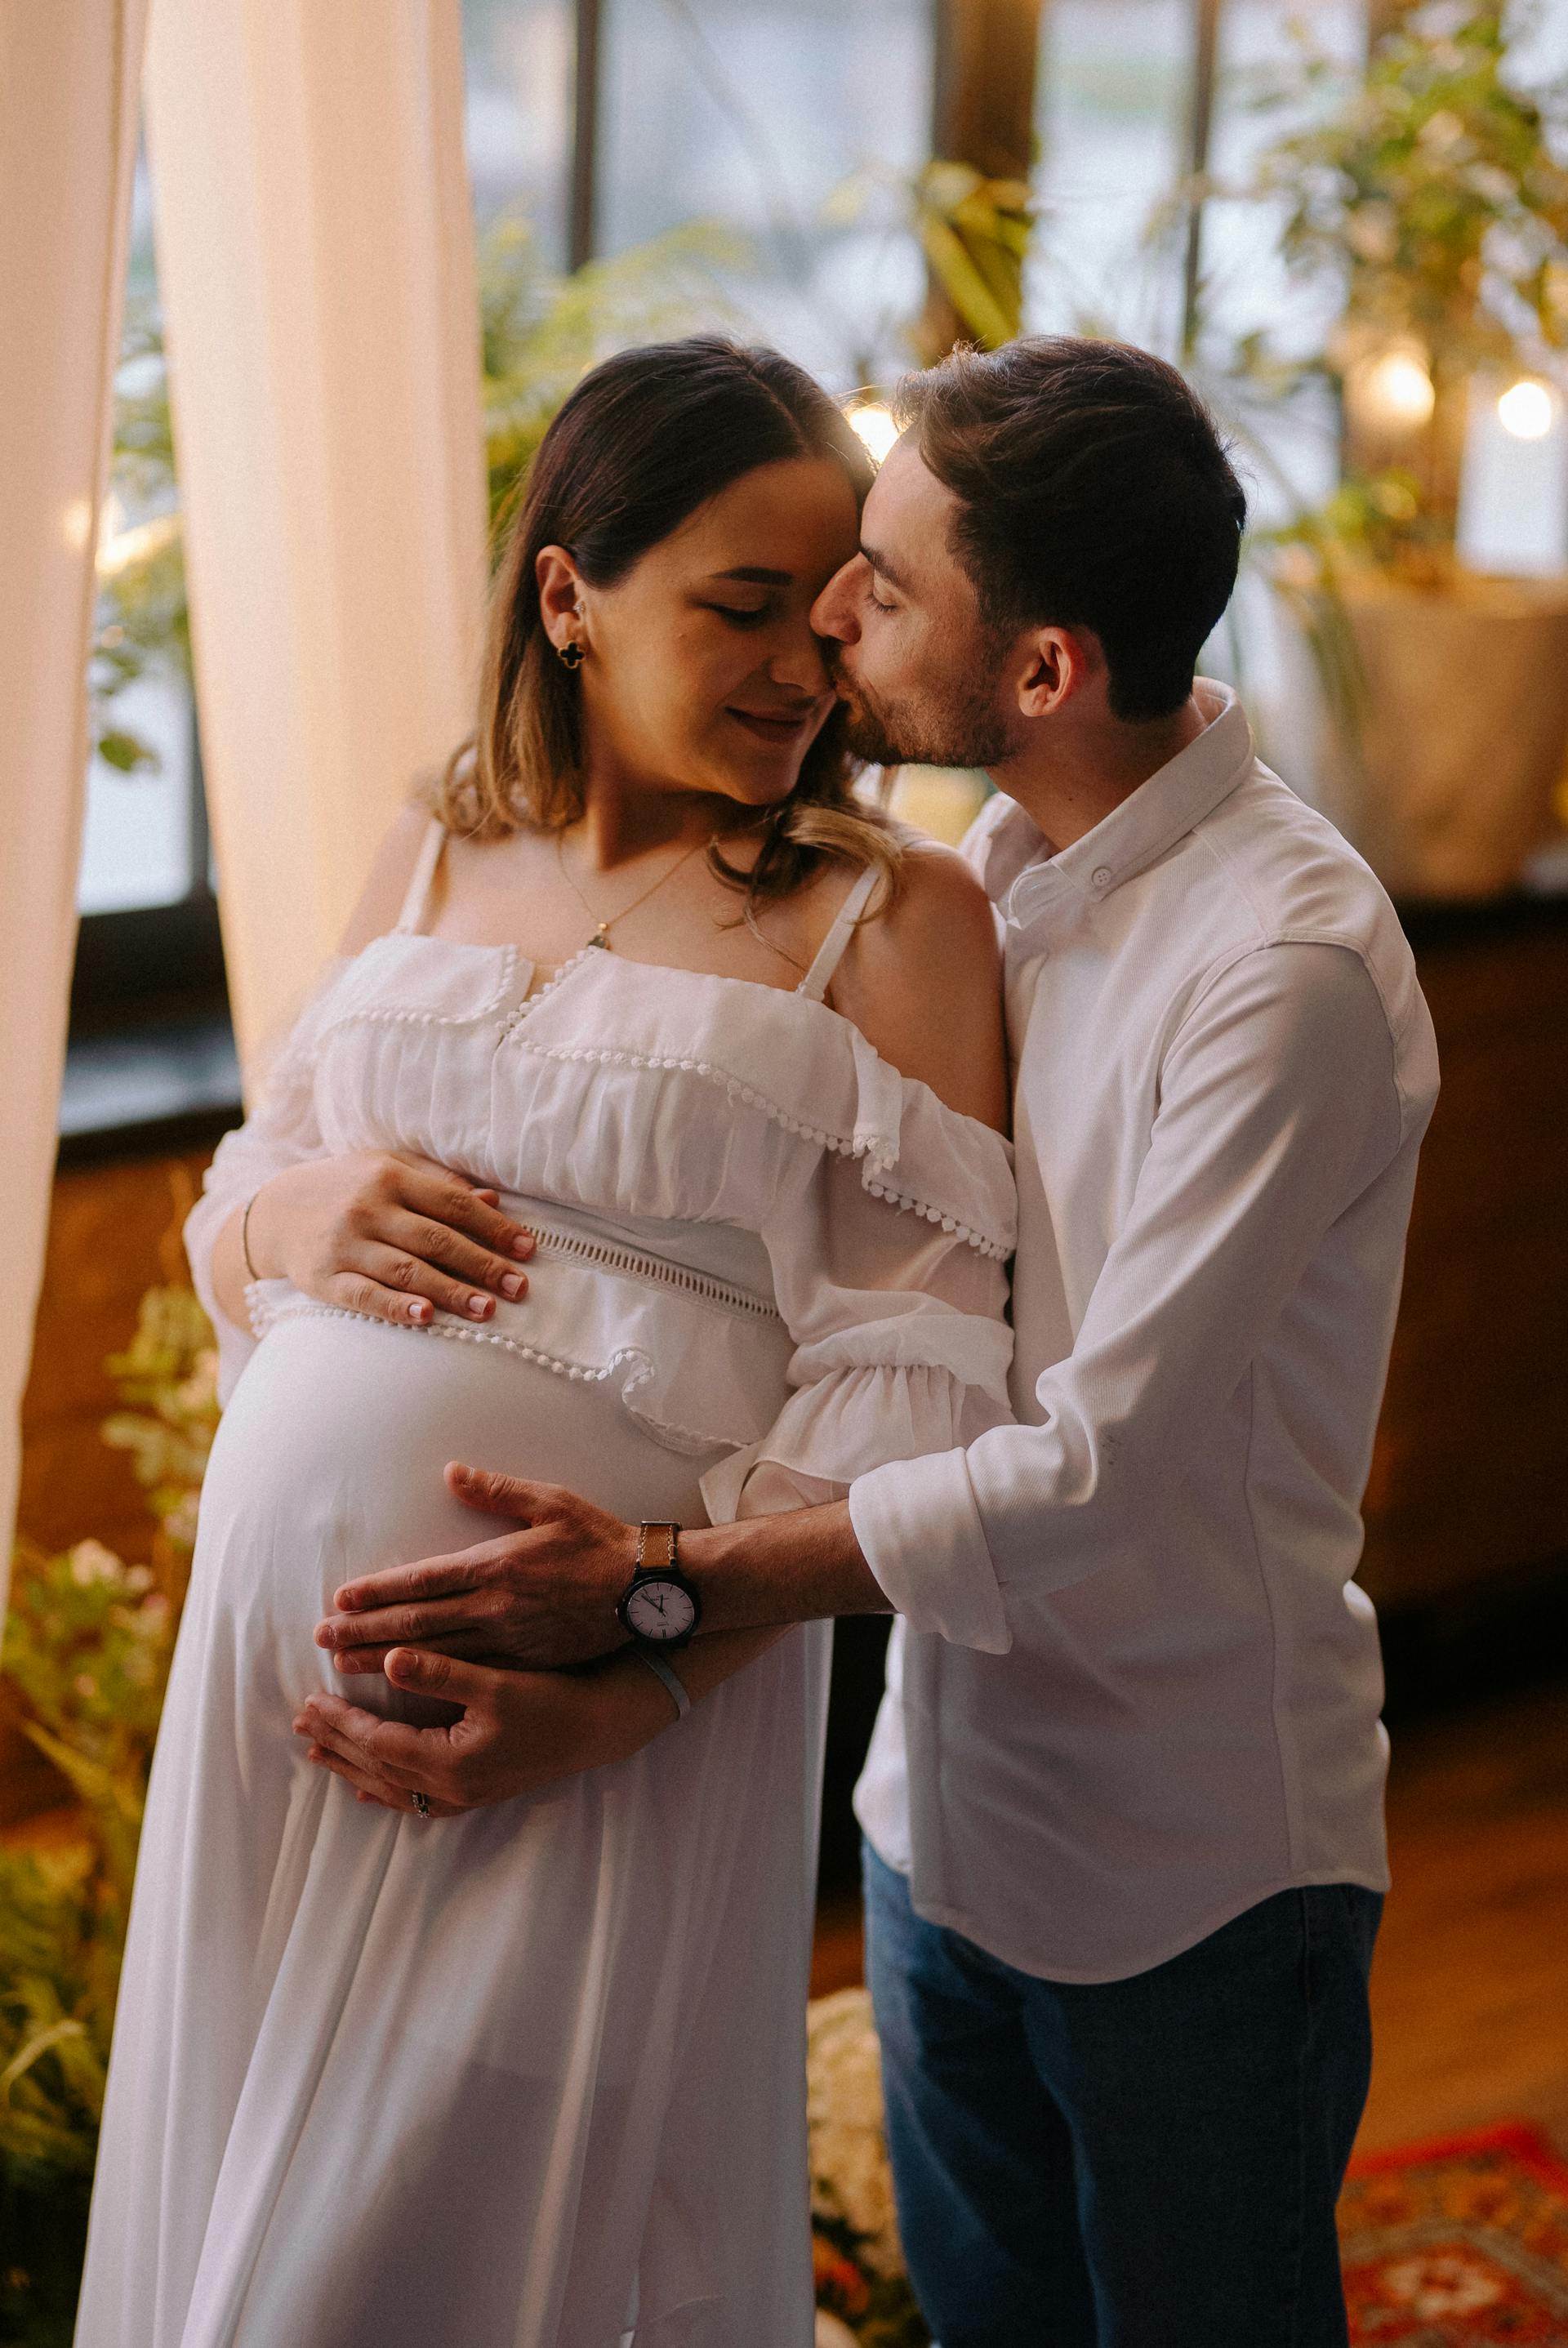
point(379, 1232)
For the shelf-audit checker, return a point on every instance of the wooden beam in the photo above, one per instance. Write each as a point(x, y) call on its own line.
point(984, 100)
point(583, 225)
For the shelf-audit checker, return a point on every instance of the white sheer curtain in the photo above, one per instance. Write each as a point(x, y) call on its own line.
point(68, 77)
point(316, 268)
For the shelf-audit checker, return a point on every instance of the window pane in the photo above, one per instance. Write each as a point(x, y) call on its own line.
point(136, 848)
point(518, 110)
point(136, 844)
point(1245, 285)
point(752, 112)
point(1111, 117)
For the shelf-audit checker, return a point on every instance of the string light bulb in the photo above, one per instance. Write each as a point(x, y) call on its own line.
point(1528, 409)
point(1394, 392)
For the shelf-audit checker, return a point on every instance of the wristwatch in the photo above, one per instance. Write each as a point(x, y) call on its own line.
point(658, 1606)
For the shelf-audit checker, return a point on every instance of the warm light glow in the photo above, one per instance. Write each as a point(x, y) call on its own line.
point(1528, 409)
point(76, 523)
point(1395, 392)
point(117, 549)
point(876, 428)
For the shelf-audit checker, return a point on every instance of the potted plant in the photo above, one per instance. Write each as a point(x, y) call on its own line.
point(1431, 186)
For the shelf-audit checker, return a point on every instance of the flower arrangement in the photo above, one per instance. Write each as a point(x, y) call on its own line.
point(87, 1651)
point(862, 2292)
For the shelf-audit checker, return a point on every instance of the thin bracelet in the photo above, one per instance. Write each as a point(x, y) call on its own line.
point(245, 1235)
point(672, 1680)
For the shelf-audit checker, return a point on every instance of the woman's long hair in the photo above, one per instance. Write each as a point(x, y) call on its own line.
point(640, 444)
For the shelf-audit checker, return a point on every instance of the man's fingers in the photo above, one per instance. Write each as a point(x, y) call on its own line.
point(479, 1646)
point(427, 1577)
point(423, 1623)
point(496, 1495)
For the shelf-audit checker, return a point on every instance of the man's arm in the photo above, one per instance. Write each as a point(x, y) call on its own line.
point(1279, 1106)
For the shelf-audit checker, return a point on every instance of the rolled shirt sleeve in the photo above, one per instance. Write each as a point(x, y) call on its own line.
point(901, 1344)
point(1277, 1104)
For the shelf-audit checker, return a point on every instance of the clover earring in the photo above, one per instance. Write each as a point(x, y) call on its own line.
point(572, 656)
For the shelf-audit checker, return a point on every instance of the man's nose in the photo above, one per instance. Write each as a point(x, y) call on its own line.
point(832, 613)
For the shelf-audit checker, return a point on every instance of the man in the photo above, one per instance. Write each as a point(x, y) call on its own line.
point(1123, 1803)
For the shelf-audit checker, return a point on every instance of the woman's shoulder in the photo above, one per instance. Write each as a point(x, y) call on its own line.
point(380, 901)
point(922, 982)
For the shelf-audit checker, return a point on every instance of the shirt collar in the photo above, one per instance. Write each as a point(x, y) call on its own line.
point(1021, 875)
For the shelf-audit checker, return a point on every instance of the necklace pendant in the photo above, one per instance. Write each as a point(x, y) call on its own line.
point(601, 936)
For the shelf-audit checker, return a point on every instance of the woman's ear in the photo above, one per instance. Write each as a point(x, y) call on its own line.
point(559, 597)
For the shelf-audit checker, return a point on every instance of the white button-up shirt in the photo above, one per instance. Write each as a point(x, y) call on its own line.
point(1133, 1688)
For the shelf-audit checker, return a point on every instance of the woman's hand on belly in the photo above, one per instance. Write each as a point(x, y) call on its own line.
point(389, 1235)
point(519, 1731)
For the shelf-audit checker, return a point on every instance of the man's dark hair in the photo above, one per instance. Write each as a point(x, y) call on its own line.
point(1094, 491)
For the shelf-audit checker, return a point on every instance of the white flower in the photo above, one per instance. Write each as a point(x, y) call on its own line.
point(91, 1563)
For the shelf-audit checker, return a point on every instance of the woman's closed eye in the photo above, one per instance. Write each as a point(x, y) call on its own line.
point(741, 615)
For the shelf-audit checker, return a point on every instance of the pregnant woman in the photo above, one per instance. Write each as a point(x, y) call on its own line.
point(655, 1005)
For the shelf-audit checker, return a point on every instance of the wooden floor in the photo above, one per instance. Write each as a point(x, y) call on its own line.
point(1469, 1989)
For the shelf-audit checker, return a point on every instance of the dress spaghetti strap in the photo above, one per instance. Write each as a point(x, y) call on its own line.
point(830, 951)
point(412, 916)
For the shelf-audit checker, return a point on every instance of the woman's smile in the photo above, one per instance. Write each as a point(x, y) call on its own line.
point(782, 727)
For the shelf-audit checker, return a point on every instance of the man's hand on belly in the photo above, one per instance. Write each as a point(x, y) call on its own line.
point(541, 1596)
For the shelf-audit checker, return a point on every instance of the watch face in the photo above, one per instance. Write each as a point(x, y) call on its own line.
point(660, 1609)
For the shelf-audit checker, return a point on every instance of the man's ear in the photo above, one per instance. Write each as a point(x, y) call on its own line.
point(1058, 664)
point(560, 596)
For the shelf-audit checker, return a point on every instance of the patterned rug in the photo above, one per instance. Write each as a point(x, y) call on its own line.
point(1461, 2244)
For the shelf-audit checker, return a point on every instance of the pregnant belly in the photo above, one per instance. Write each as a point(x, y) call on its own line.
point(328, 1464)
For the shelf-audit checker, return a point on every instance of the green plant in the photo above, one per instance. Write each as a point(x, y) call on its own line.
point(975, 234)
point(87, 1652)
point(1431, 185)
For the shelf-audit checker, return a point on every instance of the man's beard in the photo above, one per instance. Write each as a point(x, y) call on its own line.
point(969, 732)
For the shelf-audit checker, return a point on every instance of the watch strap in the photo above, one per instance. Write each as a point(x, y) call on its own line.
point(672, 1679)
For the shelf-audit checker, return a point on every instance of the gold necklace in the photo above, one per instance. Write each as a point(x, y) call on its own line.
point(601, 936)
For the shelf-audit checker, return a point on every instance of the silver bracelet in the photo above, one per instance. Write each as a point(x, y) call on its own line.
point(245, 1235)
point(662, 1671)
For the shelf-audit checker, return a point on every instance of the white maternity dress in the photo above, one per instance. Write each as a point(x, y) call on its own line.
point(531, 2077)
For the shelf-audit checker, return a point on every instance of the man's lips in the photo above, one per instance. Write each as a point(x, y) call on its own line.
point(784, 728)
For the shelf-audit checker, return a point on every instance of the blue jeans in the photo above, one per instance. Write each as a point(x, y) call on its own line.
point(1148, 2163)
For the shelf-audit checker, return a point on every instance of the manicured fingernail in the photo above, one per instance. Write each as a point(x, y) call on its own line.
point(512, 1283)
point(478, 1306)
point(523, 1244)
point(419, 1310)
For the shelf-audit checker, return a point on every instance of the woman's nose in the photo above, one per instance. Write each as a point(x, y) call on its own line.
point(802, 663)
point(832, 613)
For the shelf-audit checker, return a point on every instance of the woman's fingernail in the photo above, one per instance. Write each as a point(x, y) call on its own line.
point(419, 1310)
point(478, 1306)
point(512, 1283)
point(523, 1244)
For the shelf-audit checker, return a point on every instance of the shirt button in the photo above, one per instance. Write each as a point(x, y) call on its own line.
point(1101, 876)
